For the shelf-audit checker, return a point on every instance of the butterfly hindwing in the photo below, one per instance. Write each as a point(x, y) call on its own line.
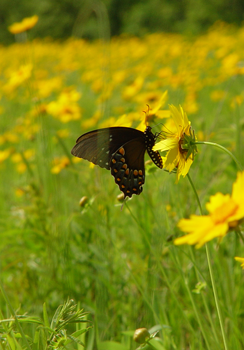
point(127, 167)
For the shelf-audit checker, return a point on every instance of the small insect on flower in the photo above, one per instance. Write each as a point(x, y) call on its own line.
point(226, 213)
point(178, 141)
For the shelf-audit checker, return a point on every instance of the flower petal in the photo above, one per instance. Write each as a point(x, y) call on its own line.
point(217, 201)
point(171, 159)
point(202, 229)
point(160, 103)
point(166, 144)
point(238, 188)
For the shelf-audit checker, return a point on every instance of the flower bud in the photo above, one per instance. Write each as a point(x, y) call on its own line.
point(83, 201)
point(121, 197)
point(141, 335)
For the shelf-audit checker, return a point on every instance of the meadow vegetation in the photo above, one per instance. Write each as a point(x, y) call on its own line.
point(119, 263)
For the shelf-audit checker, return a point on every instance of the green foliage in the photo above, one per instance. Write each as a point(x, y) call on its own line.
point(58, 334)
point(90, 19)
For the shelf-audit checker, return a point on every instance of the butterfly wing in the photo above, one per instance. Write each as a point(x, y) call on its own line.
point(98, 146)
point(122, 151)
point(127, 166)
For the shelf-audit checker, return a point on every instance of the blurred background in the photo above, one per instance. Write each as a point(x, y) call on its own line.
point(65, 18)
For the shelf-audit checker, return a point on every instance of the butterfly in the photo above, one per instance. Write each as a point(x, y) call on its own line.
point(120, 150)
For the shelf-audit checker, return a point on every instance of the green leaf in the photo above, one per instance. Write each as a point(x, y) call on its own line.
point(11, 342)
point(111, 345)
point(90, 339)
point(45, 316)
point(79, 332)
point(156, 343)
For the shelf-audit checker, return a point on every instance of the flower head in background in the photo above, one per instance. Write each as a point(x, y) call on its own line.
point(26, 24)
point(178, 141)
point(225, 213)
point(241, 260)
point(155, 111)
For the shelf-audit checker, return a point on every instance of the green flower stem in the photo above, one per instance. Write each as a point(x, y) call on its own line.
point(195, 192)
point(195, 309)
point(210, 267)
point(239, 233)
point(27, 164)
point(223, 149)
point(216, 298)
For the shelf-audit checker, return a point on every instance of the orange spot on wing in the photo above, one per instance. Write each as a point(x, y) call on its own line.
point(122, 151)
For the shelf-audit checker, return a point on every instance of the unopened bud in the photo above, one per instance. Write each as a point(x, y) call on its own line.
point(141, 335)
point(121, 197)
point(83, 201)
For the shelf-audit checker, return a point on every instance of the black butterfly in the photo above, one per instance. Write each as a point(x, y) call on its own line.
point(120, 150)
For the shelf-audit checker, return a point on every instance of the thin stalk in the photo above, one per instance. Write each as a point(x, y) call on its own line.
point(210, 270)
point(216, 298)
point(223, 149)
point(239, 233)
point(27, 164)
point(195, 192)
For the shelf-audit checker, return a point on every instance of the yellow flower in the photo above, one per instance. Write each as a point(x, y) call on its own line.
point(18, 77)
point(225, 213)
point(133, 88)
point(123, 120)
point(241, 260)
point(179, 142)
point(4, 154)
point(47, 86)
point(65, 108)
point(156, 111)
point(18, 158)
point(59, 163)
point(26, 24)
point(19, 192)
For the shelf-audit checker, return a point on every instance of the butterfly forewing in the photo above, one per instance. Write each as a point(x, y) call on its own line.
point(98, 146)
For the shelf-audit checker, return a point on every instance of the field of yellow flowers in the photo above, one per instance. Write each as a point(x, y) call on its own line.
point(65, 234)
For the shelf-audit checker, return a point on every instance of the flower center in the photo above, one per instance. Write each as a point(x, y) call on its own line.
point(226, 210)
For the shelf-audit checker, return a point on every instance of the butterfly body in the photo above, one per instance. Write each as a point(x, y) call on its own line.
point(122, 151)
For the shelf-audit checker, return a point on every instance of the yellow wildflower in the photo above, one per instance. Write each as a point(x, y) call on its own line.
point(241, 260)
point(19, 192)
point(26, 24)
point(21, 159)
point(18, 77)
point(59, 163)
point(179, 142)
point(47, 86)
point(4, 154)
point(133, 88)
point(156, 111)
point(225, 213)
point(65, 108)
